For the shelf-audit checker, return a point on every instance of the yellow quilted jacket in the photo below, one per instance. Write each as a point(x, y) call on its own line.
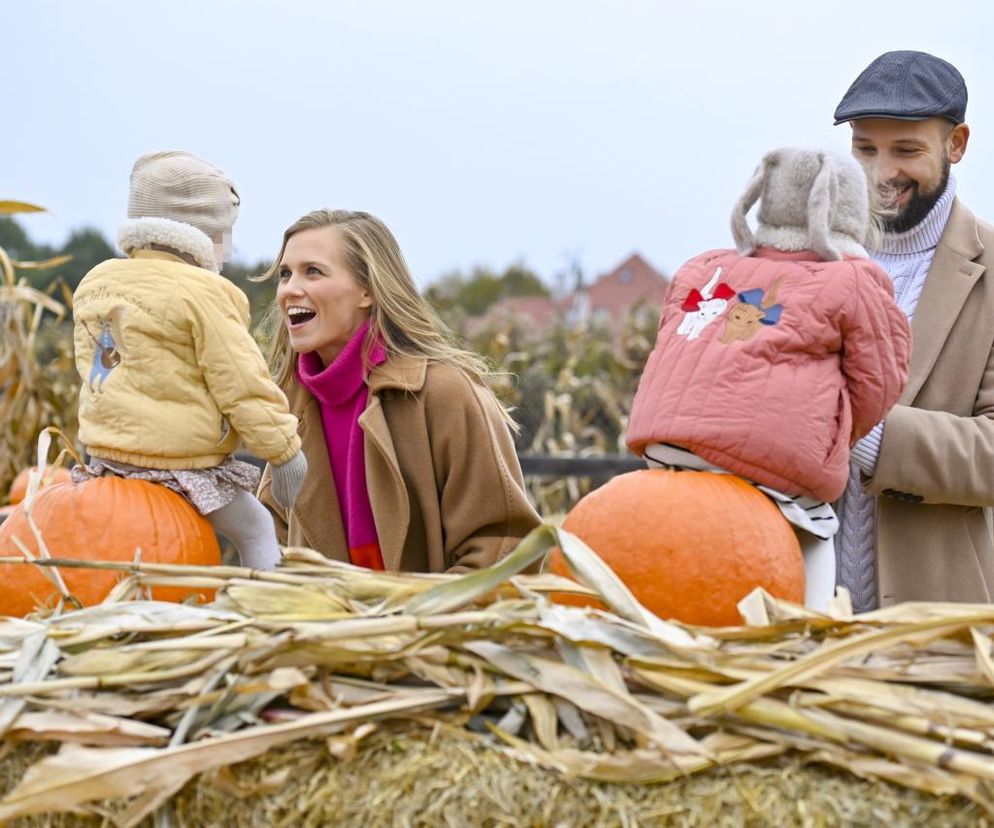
point(172, 378)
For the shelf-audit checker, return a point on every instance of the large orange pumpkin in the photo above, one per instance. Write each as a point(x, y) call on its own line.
point(19, 488)
point(106, 519)
point(689, 545)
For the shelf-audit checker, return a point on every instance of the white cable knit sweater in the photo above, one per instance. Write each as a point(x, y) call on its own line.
point(906, 257)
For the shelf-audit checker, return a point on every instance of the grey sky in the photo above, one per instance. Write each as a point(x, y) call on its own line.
point(482, 133)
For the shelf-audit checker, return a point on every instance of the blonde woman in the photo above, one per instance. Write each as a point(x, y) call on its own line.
point(411, 465)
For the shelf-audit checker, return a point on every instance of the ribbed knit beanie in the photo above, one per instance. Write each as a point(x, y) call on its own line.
point(178, 185)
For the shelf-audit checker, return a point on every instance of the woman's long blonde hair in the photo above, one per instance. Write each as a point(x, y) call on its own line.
point(400, 317)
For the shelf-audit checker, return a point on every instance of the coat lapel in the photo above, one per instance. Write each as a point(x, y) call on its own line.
point(387, 492)
point(316, 511)
point(951, 277)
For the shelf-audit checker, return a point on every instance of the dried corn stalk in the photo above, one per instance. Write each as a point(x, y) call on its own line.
point(147, 695)
point(38, 382)
point(573, 392)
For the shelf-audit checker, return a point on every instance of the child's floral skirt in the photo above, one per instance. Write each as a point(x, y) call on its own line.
point(207, 489)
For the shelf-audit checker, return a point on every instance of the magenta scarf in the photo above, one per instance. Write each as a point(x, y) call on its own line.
point(341, 392)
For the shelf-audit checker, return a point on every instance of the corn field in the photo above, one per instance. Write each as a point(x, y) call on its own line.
point(38, 382)
point(571, 390)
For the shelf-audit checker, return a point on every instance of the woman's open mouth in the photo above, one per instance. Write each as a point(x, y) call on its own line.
point(297, 316)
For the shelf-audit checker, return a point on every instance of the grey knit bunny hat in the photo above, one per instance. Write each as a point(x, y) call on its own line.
point(808, 200)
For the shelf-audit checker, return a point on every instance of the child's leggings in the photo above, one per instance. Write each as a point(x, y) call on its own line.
point(249, 527)
point(819, 570)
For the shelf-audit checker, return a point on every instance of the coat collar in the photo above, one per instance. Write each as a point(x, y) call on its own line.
point(400, 373)
point(142, 233)
point(397, 373)
point(805, 255)
point(951, 276)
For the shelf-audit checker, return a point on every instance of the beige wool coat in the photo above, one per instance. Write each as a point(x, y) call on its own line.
point(444, 481)
point(935, 473)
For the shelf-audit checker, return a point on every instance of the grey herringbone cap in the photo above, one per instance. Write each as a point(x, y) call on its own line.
point(908, 86)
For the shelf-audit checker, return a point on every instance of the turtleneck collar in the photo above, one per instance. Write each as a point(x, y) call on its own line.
point(925, 235)
point(339, 382)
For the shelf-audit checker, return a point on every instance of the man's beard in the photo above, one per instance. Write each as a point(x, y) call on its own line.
point(919, 205)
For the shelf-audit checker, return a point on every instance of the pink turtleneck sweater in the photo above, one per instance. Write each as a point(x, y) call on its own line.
point(341, 392)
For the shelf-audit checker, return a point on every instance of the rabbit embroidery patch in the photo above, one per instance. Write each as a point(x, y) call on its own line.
point(752, 311)
point(107, 354)
point(702, 307)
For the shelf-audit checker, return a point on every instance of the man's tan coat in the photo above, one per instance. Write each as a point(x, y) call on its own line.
point(935, 472)
point(444, 481)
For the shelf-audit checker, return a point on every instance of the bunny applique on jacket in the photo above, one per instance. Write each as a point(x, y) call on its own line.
point(770, 365)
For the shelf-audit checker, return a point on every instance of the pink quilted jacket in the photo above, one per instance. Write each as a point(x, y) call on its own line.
point(771, 365)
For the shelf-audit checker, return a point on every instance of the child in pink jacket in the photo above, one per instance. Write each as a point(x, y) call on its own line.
point(773, 359)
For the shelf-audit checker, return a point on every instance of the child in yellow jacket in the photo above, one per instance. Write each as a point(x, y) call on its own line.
point(173, 381)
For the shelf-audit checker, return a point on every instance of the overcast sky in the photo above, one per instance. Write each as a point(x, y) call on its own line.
point(482, 133)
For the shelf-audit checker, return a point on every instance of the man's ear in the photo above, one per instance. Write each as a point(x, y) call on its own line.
point(956, 142)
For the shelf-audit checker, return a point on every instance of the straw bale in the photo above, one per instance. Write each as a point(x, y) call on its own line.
point(443, 776)
point(323, 694)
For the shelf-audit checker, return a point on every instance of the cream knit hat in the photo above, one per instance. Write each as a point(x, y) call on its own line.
point(808, 200)
point(179, 186)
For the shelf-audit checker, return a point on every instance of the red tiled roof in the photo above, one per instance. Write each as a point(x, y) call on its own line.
point(632, 282)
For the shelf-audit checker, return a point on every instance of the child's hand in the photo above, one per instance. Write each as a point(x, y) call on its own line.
point(288, 479)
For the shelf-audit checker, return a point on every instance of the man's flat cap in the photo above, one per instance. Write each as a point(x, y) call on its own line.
point(909, 86)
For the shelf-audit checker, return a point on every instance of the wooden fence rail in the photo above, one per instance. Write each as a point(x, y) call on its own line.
point(599, 468)
point(549, 465)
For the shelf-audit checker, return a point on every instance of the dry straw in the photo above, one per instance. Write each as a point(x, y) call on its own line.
point(155, 703)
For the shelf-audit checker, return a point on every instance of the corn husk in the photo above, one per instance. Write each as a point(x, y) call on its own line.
point(145, 698)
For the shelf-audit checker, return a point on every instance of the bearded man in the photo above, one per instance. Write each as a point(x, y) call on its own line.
point(916, 518)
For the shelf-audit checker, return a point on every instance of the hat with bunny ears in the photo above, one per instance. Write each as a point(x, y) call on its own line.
point(808, 200)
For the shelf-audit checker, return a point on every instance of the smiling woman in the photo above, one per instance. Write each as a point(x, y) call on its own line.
point(411, 465)
point(322, 304)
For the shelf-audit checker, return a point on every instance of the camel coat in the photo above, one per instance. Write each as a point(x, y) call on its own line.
point(935, 472)
point(444, 481)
